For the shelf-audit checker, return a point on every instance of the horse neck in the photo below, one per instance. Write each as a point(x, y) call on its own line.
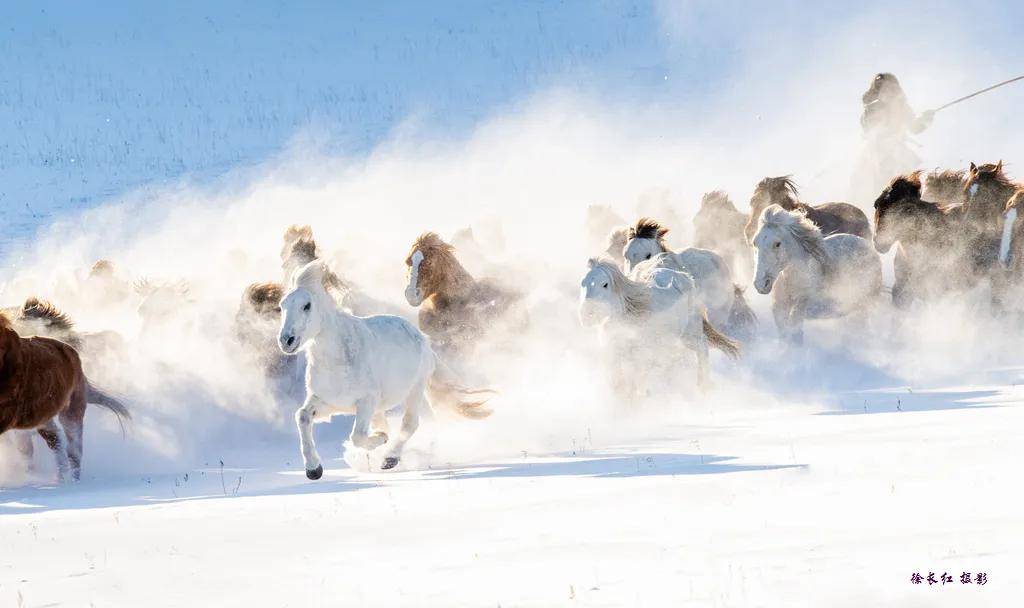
point(337, 326)
point(786, 200)
point(456, 283)
point(976, 212)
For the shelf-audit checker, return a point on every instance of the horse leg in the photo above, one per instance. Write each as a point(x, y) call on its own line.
point(73, 419)
point(304, 420)
point(410, 422)
point(23, 441)
point(379, 423)
point(361, 437)
point(53, 433)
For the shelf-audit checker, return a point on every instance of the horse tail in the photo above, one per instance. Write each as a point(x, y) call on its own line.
point(719, 340)
point(443, 389)
point(101, 398)
point(742, 318)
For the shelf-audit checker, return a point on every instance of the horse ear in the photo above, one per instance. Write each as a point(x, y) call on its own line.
point(591, 263)
point(662, 232)
point(999, 166)
point(973, 167)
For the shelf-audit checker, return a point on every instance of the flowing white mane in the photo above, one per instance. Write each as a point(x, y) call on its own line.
point(634, 296)
point(803, 231)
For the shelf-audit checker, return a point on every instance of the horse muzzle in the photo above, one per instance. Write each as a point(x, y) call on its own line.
point(288, 344)
point(763, 285)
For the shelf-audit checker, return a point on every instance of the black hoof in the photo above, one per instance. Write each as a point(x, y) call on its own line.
point(389, 463)
point(316, 473)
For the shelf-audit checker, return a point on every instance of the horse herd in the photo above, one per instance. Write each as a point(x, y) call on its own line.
point(356, 355)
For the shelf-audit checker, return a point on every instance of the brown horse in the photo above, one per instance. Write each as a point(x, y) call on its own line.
point(945, 187)
point(718, 226)
point(455, 308)
point(831, 218)
point(43, 388)
point(988, 190)
point(930, 259)
point(298, 249)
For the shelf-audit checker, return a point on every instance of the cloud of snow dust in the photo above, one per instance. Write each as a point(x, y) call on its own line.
point(523, 181)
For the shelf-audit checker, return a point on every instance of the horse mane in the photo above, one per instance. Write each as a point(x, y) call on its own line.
point(261, 296)
point(782, 186)
point(946, 175)
point(300, 244)
point(803, 231)
point(899, 188)
point(318, 273)
point(718, 199)
point(5, 321)
point(445, 268)
point(647, 228)
point(44, 311)
point(635, 296)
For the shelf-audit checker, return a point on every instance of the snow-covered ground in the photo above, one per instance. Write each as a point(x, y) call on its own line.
point(179, 143)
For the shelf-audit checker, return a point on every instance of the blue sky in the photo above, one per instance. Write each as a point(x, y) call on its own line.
point(103, 99)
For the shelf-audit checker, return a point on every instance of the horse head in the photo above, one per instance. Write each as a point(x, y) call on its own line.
point(645, 240)
point(303, 308)
point(781, 191)
point(893, 208)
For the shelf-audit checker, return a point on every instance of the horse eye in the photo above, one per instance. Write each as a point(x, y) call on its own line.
point(606, 285)
point(648, 257)
point(306, 307)
point(777, 244)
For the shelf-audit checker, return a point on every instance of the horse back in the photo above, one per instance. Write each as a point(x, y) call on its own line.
point(836, 218)
point(42, 385)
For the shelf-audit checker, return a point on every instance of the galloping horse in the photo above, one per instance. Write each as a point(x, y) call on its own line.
point(363, 366)
point(455, 308)
point(716, 291)
point(43, 388)
point(830, 218)
point(988, 191)
point(930, 259)
point(813, 276)
point(718, 226)
point(656, 303)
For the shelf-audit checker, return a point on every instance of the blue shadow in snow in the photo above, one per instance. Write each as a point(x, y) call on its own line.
point(905, 400)
point(607, 465)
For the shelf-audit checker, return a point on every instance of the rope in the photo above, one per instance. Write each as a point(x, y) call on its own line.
point(976, 93)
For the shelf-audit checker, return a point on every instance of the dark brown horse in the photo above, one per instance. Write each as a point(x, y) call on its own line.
point(988, 190)
point(945, 186)
point(831, 218)
point(455, 309)
point(718, 226)
point(931, 257)
point(43, 388)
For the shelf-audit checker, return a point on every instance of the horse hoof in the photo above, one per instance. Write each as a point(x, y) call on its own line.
point(389, 463)
point(316, 473)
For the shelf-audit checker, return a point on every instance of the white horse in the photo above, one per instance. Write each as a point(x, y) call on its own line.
point(656, 303)
point(362, 366)
point(723, 299)
point(814, 277)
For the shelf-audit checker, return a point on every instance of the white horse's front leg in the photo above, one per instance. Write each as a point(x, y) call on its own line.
point(304, 421)
point(361, 437)
point(60, 447)
point(410, 422)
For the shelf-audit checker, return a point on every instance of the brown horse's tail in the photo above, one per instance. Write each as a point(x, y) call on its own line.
point(719, 340)
point(103, 399)
point(443, 390)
